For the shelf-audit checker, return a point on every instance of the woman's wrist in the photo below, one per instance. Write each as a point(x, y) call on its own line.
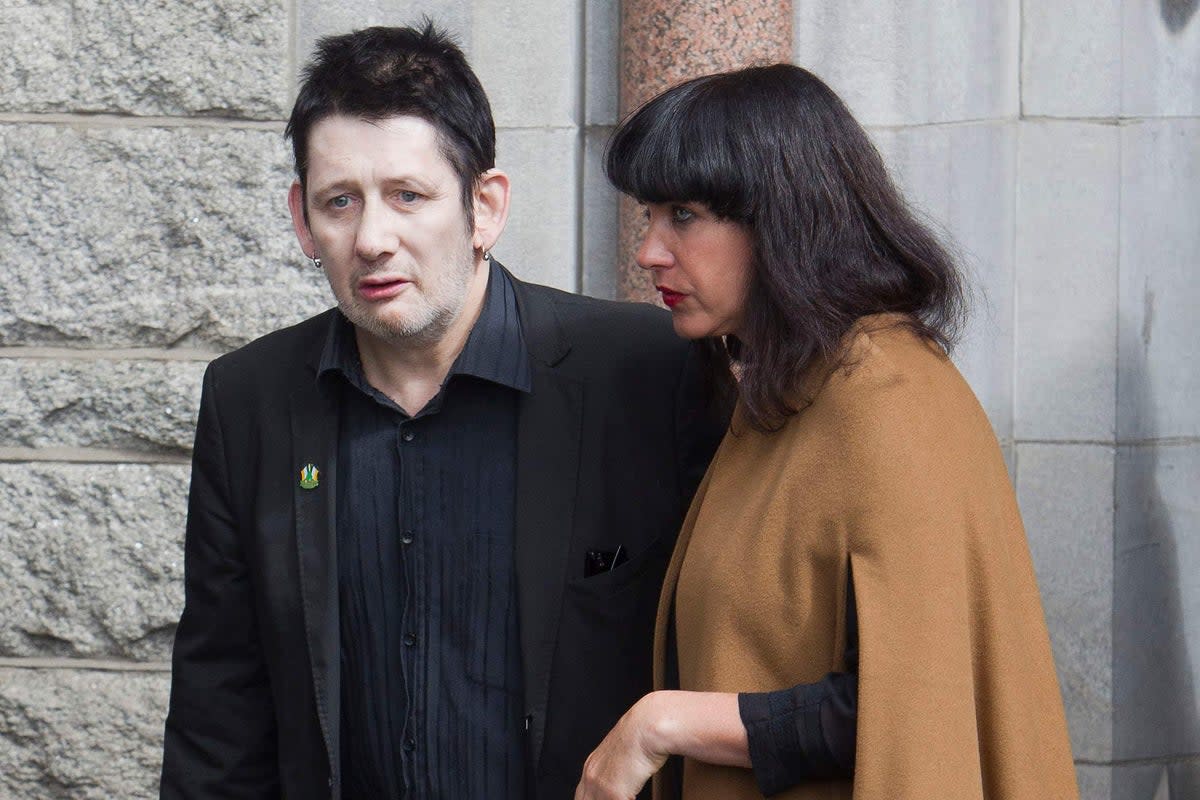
point(702, 725)
point(658, 723)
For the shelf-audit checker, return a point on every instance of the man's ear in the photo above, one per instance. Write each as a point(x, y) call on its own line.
point(299, 222)
point(491, 208)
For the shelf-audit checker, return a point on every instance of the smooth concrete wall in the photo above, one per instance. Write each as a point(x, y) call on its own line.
point(1108, 372)
point(143, 230)
point(935, 84)
point(1058, 144)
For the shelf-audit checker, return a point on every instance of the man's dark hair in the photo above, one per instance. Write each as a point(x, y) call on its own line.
point(375, 73)
point(773, 148)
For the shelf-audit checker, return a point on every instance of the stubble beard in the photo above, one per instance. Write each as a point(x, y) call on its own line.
point(441, 300)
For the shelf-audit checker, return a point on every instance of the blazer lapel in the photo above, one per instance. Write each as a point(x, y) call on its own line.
point(314, 442)
point(549, 426)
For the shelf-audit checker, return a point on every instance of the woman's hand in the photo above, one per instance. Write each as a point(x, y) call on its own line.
point(701, 725)
point(626, 759)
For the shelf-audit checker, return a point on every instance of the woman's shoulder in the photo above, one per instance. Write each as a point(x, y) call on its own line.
point(894, 393)
point(884, 360)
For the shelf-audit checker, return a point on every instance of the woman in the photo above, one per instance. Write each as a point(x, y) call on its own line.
point(856, 538)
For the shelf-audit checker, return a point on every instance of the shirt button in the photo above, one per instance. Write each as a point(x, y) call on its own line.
point(407, 436)
point(410, 745)
point(406, 537)
point(410, 639)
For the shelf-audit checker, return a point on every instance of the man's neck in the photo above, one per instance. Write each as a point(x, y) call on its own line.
point(412, 371)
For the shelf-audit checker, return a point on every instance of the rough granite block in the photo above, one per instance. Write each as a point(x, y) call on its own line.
point(223, 58)
point(148, 237)
point(91, 559)
point(1068, 207)
point(86, 735)
point(145, 406)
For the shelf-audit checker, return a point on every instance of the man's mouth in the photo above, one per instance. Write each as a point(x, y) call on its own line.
point(381, 288)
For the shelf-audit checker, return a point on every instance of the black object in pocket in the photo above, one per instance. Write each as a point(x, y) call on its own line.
point(597, 562)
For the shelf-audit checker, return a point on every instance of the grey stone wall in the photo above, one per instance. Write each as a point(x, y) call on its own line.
point(1059, 144)
point(1108, 372)
point(143, 230)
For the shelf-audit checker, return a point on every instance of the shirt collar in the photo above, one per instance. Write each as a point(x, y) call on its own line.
point(495, 350)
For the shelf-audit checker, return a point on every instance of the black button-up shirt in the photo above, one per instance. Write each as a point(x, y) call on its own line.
point(431, 671)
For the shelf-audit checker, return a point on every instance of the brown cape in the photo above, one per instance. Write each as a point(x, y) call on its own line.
point(892, 475)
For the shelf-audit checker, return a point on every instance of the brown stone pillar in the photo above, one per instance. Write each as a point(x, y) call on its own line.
point(666, 41)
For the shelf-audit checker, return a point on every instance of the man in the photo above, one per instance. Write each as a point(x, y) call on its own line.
point(427, 529)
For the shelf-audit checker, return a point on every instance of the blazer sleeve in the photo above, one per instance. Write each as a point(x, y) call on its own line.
point(220, 736)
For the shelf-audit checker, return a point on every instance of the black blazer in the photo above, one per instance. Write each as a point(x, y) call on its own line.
point(612, 442)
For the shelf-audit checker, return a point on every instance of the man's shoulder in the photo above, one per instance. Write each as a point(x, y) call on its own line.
point(277, 356)
point(590, 321)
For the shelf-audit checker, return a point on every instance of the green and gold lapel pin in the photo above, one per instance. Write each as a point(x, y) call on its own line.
point(308, 476)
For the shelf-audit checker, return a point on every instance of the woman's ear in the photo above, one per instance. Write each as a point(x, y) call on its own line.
point(491, 208)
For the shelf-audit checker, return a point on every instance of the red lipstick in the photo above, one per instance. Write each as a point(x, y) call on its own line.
point(670, 297)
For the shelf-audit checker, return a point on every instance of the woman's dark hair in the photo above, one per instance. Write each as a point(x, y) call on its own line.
point(375, 73)
point(773, 148)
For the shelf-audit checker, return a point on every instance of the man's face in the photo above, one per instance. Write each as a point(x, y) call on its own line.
point(385, 216)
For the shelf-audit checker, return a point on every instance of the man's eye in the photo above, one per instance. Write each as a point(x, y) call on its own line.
point(408, 197)
point(341, 201)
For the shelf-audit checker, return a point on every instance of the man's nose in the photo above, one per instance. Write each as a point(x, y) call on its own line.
point(376, 232)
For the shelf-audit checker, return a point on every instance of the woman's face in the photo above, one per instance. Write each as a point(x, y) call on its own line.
point(701, 265)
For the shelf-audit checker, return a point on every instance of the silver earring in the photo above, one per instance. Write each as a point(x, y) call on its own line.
point(487, 255)
point(316, 259)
